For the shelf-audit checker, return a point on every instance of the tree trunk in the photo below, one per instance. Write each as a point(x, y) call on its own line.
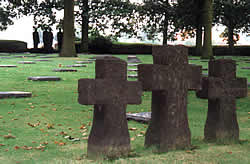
point(68, 46)
point(207, 50)
point(85, 26)
point(230, 39)
point(198, 48)
point(165, 30)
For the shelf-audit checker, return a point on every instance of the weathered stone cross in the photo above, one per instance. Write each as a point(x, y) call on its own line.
point(110, 93)
point(221, 88)
point(169, 79)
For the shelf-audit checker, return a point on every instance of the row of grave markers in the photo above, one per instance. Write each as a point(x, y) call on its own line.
point(19, 94)
point(169, 79)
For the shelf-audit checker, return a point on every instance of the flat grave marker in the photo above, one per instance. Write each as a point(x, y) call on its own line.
point(7, 66)
point(132, 65)
point(64, 70)
point(133, 76)
point(77, 65)
point(44, 78)
point(84, 62)
point(15, 94)
point(144, 117)
point(133, 59)
point(42, 60)
point(26, 62)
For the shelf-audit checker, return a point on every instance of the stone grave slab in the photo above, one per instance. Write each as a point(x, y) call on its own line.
point(193, 59)
point(133, 70)
point(19, 56)
point(133, 76)
point(47, 57)
point(133, 59)
point(44, 78)
point(245, 68)
point(77, 65)
point(26, 62)
point(42, 60)
point(5, 66)
point(204, 69)
point(15, 94)
point(84, 62)
point(100, 57)
point(140, 117)
point(132, 65)
point(5, 57)
point(64, 70)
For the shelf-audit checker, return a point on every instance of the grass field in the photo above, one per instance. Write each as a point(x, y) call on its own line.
point(32, 130)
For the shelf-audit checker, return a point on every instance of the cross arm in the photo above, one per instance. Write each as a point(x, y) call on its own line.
point(108, 91)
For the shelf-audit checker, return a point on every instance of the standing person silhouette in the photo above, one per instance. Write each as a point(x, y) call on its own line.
point(60, 39)
point(50, 39)
point(45, 38)
point(36, 38)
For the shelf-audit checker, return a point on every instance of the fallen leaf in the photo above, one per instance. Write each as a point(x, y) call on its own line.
point(1, 117)
point(230, 152)
point(40, 147)
point(59, 124)
point(10, 112)
point(27, 148)
point(54, 109)
point(63, 133)
point(14, 119)
point(16, 147)
point(2, 145)
point(132, 139)
point(29, 103)
point(85, 138)
point(142, 132)
point(83, 126)
point(33, 141)
point(132, 129)
point(62, 144)
point(50, 126)
point(9, 136)
point(56, 142)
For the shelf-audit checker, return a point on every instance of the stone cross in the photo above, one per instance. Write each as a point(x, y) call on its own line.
point(221, 88)
point(169, 79)
point(110, 93)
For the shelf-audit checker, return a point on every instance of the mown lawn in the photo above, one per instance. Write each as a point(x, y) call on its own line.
point(38, 124)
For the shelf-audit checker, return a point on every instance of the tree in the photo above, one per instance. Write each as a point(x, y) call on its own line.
point(6, 15)
point(157, 17)
point(234, 15)
point(98, 15)
point(68, 46)
point(207, 19)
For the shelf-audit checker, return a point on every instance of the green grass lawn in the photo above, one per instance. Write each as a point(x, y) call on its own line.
point(38, 124)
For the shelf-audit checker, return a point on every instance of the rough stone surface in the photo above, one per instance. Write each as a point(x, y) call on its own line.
point(221, 88)
point(44, 78)
point(144, 117)
point(3, 66)
point(169, 79)
point(110, 93)
point(26, 62)
point(15, 94)
point(64, 70)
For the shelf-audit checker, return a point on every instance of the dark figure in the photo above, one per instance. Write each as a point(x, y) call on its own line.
point(36, 38)
point(59, 39)
point(45, 39)
point(50, 39)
